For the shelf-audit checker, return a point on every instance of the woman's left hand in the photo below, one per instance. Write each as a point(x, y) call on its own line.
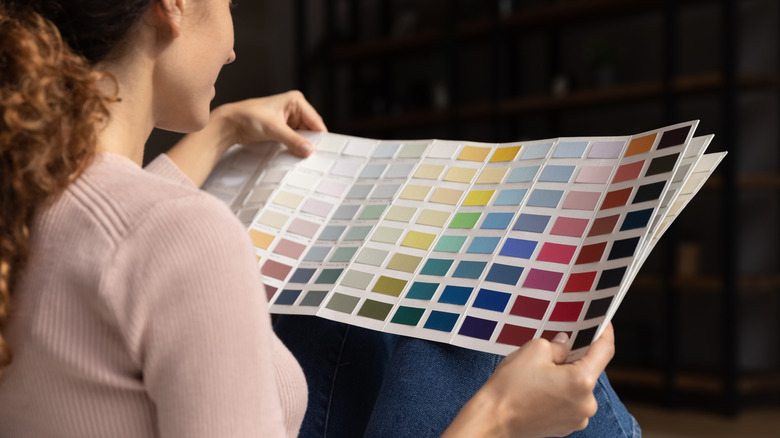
point(274, 118)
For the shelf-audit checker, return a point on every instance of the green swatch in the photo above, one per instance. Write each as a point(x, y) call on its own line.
point(465, 220)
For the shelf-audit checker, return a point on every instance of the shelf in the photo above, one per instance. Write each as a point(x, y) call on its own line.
point(523, 20)
point(762, 181)
point(709, 383)
point(710, 283)
point(685, 85)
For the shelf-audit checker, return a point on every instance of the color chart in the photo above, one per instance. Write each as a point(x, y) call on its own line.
point(485, 246)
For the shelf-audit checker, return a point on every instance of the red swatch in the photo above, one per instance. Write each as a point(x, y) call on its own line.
point(567, 312)
point(289, 248)
point(556, 253)
point(515, 335)
point(591, 253)
point(276, 270)
point(603, 225)
point(529, 307)
point(628, 172)
point(569, 226)
point(618, 198)
point(580, 282)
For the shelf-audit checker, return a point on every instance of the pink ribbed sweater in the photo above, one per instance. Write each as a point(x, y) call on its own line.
point(141, 314)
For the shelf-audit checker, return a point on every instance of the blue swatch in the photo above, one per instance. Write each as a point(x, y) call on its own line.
point(483, 245)
point(469, 269)
point(504, 274)
point(302, 275)
point(534, 151)
point(386, 150)
point(491, 300)
point(636, 219)
point(441, 321)
point(373, 171)
point(422, 291)
point(570, 149)
point(553, 173)
point(497, 221)
point(332, 232)
point(545, 198)
point(287, 297)
point(455, 295)
point(477, 328)
point(520, 248)
point(510, 197)
point(523, 174)
point(535, 223)
point(317, 254)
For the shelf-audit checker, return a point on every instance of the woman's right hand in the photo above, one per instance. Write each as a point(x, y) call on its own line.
point(533, 393)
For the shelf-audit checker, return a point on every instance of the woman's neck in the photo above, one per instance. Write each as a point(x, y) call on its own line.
point(133, 116)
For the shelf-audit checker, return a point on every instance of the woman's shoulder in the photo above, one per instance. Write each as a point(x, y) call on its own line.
point(121, 196)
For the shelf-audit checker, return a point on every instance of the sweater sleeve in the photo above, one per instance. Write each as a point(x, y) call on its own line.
point(194, 316)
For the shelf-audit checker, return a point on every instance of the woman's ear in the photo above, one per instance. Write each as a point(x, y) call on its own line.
point(168, 14)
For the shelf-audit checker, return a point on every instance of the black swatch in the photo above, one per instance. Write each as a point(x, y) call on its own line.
point(611, 278)
point(675, 137)
point(584, 338)
point(623, 248)
point(649, 192)
point(598, 308)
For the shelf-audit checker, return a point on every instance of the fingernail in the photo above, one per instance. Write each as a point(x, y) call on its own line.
point(561, 338)
point(307, 148)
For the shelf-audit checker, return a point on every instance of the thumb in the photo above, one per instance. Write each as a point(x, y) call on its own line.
point(297, 144)
point(560, 347)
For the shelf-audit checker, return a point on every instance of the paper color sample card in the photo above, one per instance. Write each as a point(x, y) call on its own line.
point(485, 246)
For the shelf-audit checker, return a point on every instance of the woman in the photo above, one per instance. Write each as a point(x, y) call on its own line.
point(129, 298)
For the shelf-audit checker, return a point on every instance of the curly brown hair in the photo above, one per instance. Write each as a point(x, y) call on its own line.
point(51, 110)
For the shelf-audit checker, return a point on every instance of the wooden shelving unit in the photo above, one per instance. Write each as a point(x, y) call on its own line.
point(700, 83)
point(725, 386)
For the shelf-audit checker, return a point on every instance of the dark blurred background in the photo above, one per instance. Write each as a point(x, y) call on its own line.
point(700, 324)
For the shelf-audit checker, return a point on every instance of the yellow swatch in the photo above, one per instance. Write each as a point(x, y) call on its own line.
point(400, 214)
point(433, 218)
point(273, 219)
point(389, 286)
point(261, 239)
point(474, 153)
point(505, 154)
point(492, 176)
point(416, 239)
point(287, 199)
point(404, 262)
point(641, 145)
point(446, 196)
point(428, 171)
point(415, 193)
point(479, 197)
point(460, 174)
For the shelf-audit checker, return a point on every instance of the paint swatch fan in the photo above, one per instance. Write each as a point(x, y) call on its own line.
point(485, 246)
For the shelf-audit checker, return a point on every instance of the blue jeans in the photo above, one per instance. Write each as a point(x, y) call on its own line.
point(367, 383)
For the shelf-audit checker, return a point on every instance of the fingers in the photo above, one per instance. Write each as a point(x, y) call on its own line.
point(309, 117)
point(560, 348)
point(600, 353)
point(297, 144)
